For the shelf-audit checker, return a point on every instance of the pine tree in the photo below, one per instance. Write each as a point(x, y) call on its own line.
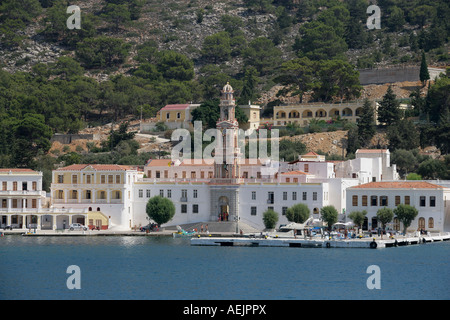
point(389, 109)
point(249, 89)
point(424, 75)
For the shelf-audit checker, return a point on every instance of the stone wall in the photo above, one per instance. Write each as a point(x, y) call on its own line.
point(388, 75)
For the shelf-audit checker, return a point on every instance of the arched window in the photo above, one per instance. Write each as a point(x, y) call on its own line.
point(430, 223)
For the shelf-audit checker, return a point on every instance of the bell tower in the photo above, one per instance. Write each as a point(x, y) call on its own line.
point(226, 168)
point(225, 184)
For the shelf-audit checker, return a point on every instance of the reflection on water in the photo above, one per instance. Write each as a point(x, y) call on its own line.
point(138, 267)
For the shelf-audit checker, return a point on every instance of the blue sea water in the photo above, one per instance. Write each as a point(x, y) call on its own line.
point(163, 268)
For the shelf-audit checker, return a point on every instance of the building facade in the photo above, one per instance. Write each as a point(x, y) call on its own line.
point(97, 188)
point(431, 201)
point(23, 203)
point(230, 188)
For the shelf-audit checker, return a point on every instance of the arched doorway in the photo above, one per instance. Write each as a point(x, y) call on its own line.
point(62, 222)
point(374, 223)
point(396, 224)
point(224, 208)
point(365, 225)
point(421, 223)
point(46, 222)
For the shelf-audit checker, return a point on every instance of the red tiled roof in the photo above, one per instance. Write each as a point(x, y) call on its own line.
point(398, 185)
point(97, 167)
point(16, 170)
point(294, 172)
point(175, 107)
point(159, 163)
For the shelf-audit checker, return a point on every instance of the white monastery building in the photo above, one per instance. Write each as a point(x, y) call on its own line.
point(115, 196)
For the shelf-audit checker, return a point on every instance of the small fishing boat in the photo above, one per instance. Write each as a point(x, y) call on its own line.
point(181, 233)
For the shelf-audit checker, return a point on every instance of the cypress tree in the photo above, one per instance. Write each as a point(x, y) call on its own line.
point(424, 75)
point(366, 123)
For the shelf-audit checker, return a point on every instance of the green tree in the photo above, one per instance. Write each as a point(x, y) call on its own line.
point(116, 136)
point(442, 132)
point(437, 100)
point(405, 160)
point(262, 54)
point(208, 113)
point(431, 169)
point(355, 34)
point(176, 66)
point(413, 176)
point(385, 215)
point(296, 76)
point(329, 214)
point(423, 74)
point(67, 68)
point(117, 15)
point(366, 123)
point(212, 79)
point(298, 213)
point(406, 214)
point(289, 150)
point(31, 137)
point(403, 135)
point(160, 209)
point(389, 109)
point(336, 78)
point(248, 92)
point(353, 140)
point(270, 219)
point(14, 17)
point(358, 217)
point(336, 16)
point(421, 14)
point(102, 52)
point(319, 41)
point(231, 24)
point(396, 19)
point(217, 48)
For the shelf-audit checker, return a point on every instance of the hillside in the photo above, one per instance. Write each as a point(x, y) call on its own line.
point(182, 26)
point(133, 57)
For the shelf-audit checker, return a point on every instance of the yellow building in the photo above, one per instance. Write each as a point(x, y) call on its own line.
point(22, 204)
point(302, 114)
point(176, 116)
point(103, 188)
point(253, 114)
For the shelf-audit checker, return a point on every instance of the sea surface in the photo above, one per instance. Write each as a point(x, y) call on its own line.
point(163, 268)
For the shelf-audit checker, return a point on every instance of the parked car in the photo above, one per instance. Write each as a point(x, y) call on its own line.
point(77, 226)
point(149, 227)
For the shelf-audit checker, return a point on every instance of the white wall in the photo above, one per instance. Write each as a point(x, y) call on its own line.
point(437, 212)
point(246, 201)
point(202, 200)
